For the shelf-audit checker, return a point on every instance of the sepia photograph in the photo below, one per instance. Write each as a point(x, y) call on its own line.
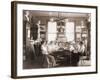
point(56, 39)
point(53, 39)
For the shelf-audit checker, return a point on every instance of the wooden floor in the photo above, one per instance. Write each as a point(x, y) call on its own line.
point(33, 64)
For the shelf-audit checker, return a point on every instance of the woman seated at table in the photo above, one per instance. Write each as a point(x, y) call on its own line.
point(74, 54)
point(49, 58)
point(81, 51)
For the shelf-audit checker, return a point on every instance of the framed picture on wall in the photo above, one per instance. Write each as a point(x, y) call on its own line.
point(38, 51)
point(78, 35)
point(78, 29)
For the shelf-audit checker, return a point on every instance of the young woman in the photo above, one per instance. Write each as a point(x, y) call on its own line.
point(49, 58)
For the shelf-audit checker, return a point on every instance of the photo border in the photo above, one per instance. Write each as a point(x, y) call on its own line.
point(14, 37)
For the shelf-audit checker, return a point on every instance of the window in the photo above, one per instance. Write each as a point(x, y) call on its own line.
point(69, 27)
point(52, 31)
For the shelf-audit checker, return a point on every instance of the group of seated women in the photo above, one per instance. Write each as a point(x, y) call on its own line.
point(48, 50)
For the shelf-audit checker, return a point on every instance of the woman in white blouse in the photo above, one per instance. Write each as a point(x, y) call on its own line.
point(49, 58)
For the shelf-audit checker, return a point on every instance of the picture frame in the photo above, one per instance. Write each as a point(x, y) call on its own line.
point(22, 35)
point(78, 29)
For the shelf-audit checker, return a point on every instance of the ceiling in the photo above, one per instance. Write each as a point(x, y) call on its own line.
point(57, 14)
